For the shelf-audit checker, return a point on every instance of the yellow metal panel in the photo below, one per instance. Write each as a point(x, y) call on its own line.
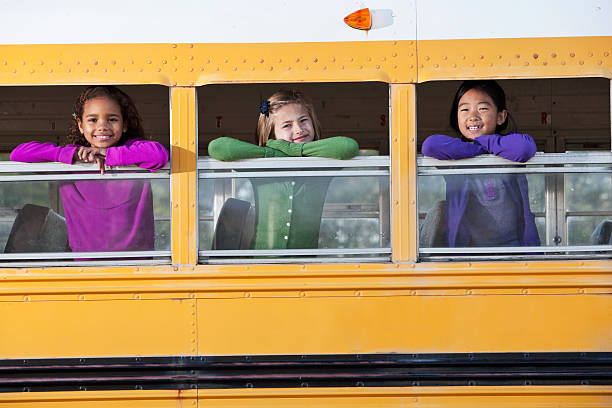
point(308, 324)
point(425, 397)
point(200, 64)
point(515, 58)
point(97, 328)
point(102, 399)
point(403, 176)
point(184, 175)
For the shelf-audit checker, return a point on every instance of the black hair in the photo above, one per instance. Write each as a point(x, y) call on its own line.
point(489, 87)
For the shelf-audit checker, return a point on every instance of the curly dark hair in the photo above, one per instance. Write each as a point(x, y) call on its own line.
point(130, 114)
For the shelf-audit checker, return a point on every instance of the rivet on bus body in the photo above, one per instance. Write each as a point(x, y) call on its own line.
point(444, 57)
point(317, 60)
point(454, 65)
point(395, 55)
point(581, 62)
point(225, 60)
point(15, 71)
point(473, 65)
point(509, 63)
point(535, 55)
point(50, 70)
point(426, 57)
point(395, 202)
point(175, 269)
point(176, 69)
point(554, 55)
point(490, 64)
point(158, 69)
point(468, 292)
point(122, 69)
point(261, 60)
point(149, 61)
point(572, 54)
point(352, 59)
point(394, 66)
point(499, 57)
point(562, 62)
point(26, 298)
point(412, 202)
point(357, 293)
point(201, 68)
point(482, 57)
point(302, 294)
point(377, 66)
point(410, 54)
point(526, 63)
point(518, 56)
point(191, 57)
point(361, 67)
point(253, 68)
point(173, 45)
point(174, 57)
point(524, 291)
point(410, 66)
point(421, 65)
point(600, 62)
point(463, 57)
point(410, 42)
point(324, 67)
point(590, 54)
point(4, 63)
point(469, 264)
point(137, 297)
point(436, 66)
point(383, 59)
point(413, 292)
point(191, 83)
point(193, 69)
point(86, 70)
point(42, 62)
point(581, 291)
point(192, 204)
point(32, 71)
point(23, 62)
point(271, 68)
point(333, 59)
point(139, 69)
point(606, 54)
point(341, 66)
point(216, 69)
point(581, 263)
point(415, 399)
point(394, 42)
point(303, 267)
point(544, 63)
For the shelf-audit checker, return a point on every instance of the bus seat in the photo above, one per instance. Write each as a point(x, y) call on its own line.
point(433, 231)
point(602, 235)
point(37, 229)
point(235, 227)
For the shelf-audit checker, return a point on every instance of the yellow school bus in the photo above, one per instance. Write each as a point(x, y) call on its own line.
point(373, 316)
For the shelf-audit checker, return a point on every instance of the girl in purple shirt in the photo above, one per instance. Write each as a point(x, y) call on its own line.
point(113, 215)
point(485, 210)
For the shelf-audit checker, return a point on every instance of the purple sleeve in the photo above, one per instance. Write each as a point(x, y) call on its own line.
point(142, 153)
point(35, 152)
point(515, 146)
point(444, 147)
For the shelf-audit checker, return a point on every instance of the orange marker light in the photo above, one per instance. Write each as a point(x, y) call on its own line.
point(361, 19)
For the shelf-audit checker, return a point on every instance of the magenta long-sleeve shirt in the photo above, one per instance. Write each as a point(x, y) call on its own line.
point(113, 215)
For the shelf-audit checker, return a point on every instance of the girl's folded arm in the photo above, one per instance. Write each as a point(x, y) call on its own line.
point(142, 153)
point(230, 149)
point(444, 147)
point(514, 146)
point(35, 152)
point(338, 147)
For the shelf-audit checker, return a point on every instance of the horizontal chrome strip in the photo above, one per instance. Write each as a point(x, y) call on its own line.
point(513, 170)
point(295, 173)
point(84, 255)
point(217, 261)
point(88, 176)
point(294, 252)
point(209, 163)
point(510, 250)
point(595, 157)
point(20, 167)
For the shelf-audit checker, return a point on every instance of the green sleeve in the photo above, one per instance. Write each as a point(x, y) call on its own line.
point(229, 149)
point(338, 147)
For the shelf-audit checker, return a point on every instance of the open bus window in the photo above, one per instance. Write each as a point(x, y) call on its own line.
point(61, 214)
point(565, 188)
point(285, 208)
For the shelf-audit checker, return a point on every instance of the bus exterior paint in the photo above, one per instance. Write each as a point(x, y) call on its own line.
point(404, 306)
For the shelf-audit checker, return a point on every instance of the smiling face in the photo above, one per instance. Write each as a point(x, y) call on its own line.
point(102, 123)
point(293, 124)
point(477, 114)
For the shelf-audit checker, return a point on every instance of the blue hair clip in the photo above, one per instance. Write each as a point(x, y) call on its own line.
point(264, 108)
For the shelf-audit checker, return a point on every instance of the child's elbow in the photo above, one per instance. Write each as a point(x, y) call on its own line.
point(528, 151)
point(217, 149)
point(349, 149)
point(430, 146)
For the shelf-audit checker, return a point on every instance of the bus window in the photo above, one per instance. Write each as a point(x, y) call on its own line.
point(565, 188)
point(59, 213)
point(311, 208)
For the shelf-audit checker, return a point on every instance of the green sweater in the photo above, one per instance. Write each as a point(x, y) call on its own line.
point(288, 209)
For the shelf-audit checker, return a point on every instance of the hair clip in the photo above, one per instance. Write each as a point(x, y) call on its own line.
point(74, 116)
point(264, 108)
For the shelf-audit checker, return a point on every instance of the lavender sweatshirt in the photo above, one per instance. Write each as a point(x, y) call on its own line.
point(516, 147)
point(113, 215)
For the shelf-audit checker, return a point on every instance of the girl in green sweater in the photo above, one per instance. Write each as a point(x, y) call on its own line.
point(288, 209)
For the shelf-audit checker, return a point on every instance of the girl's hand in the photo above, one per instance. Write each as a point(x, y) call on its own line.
point(91, 155)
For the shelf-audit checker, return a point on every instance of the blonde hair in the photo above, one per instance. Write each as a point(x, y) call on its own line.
point(265, 124)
